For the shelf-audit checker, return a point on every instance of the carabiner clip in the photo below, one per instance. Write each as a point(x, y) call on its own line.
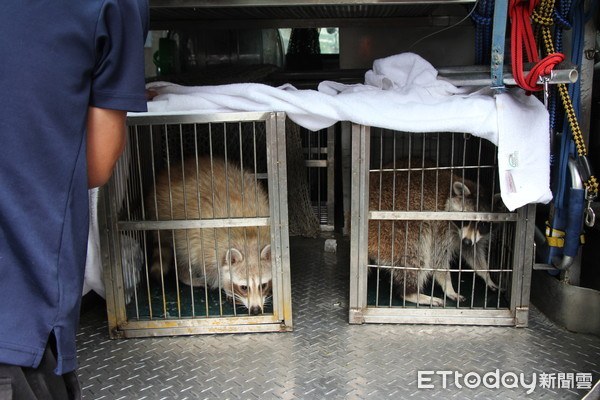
point(546, 83)
point(589, 216)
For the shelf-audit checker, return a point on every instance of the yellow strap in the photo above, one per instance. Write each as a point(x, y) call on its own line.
point(555, 241)
point(560, 241)
point(556, 238)
point(551, 232)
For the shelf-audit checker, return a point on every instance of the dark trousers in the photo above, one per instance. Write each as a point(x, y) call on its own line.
point(22, 383)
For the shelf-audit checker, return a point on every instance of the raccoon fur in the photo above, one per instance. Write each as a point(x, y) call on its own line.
point(236, 260)
point(423, 247)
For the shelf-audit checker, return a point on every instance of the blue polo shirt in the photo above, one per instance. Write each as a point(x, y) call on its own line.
point(58, 58)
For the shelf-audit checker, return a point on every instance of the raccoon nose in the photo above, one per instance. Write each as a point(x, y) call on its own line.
point(467, 242)
point(255, 310)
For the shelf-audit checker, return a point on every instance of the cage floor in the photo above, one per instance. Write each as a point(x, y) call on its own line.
point(326, 358)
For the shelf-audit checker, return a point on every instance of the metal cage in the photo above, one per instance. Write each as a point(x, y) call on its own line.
point(430, 240)
point(181, 224)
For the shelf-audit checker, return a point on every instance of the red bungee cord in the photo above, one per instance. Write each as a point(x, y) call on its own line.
point(521, 35)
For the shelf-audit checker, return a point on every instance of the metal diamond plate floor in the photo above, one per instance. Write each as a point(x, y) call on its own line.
point(326, 358)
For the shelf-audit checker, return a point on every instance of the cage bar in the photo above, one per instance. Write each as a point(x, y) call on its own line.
point(319, 154)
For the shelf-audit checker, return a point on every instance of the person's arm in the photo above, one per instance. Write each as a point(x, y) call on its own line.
point(105, 143)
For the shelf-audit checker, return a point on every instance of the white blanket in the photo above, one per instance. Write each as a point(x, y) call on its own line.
point(401, 92)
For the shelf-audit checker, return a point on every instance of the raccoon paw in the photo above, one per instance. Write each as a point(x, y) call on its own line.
point(436, 301)
point(497, 289)
point(492, 286)
point(424, 299)
point(457, 297)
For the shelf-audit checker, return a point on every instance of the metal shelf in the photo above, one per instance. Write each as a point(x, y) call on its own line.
point(307, 11)
point(288, 4)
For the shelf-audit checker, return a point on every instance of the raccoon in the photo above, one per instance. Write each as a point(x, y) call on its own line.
point(426, 246)
point(237, 259)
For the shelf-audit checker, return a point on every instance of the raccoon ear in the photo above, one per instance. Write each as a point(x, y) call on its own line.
point(265, 253)
point(460, 189)
point(233, 256)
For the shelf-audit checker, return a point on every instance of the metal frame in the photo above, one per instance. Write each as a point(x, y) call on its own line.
point(325, 216)
point(522, 257)
point(120, 326)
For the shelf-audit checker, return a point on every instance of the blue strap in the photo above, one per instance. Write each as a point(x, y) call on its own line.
point(560, 17)
point(483, 18)
point(574, 222)
point(577, 22)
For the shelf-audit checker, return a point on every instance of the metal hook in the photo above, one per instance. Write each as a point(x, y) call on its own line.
point(546, 83)
point(589, 215)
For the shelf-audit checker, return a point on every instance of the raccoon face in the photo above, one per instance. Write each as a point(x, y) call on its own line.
point(472, 232)
point(464, 199)
point(248, 281)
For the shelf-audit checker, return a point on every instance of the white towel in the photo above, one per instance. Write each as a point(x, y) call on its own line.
point(93, 265)
point(408, 70)
point(402, 92)
point(523, 149)
point(411, 110)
